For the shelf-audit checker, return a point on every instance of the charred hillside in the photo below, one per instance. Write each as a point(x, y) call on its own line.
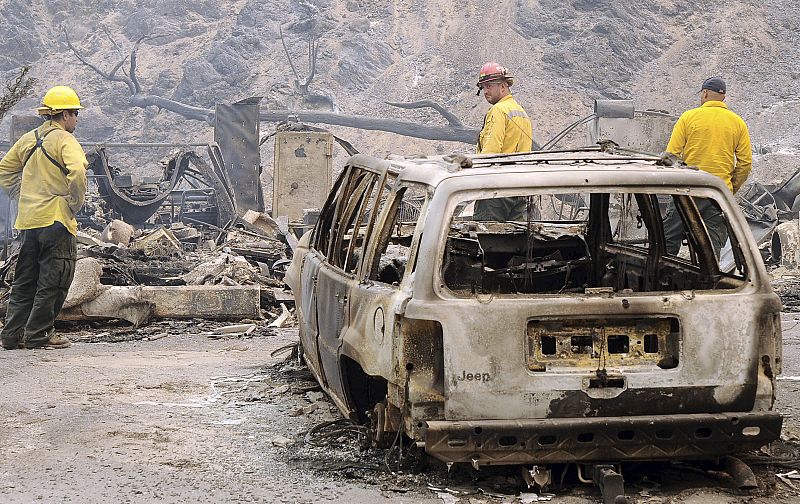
point(369, 52)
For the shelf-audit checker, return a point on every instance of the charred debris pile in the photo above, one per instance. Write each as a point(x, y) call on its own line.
point(174, 247)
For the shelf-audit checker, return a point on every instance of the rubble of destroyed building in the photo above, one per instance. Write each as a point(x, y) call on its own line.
point(173, 267)
point(194, 243)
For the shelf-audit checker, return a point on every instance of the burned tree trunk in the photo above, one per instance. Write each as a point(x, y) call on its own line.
point(398, 126)
point(454, 131)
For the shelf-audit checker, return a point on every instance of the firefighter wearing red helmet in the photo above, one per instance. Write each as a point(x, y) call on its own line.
point(506, 129)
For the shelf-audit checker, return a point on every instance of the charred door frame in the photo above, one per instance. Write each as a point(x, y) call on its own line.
point(333, 283)
point(375, 353)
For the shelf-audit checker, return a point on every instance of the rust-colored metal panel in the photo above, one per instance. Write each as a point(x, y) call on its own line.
point(303, 171)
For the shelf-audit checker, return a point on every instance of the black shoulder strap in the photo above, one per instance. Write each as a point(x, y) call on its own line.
point(40, 145)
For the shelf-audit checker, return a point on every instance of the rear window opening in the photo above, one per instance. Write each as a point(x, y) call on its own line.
point(601, 242)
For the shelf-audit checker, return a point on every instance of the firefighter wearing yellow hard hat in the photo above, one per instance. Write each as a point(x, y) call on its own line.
point(506, 129)
point(46, 171)
point(57, 99)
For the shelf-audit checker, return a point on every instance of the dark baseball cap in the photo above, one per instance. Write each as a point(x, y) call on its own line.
point(715, 84)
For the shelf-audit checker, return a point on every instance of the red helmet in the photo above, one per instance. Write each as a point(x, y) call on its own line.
point(491, 72)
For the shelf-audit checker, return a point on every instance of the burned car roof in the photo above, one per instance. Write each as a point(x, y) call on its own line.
point(568, 166)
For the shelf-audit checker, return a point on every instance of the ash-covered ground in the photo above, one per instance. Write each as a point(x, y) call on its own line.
point(174, 413)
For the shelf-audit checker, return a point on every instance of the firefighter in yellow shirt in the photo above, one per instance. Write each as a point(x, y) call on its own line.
point(506, 129)
point(46, 171)
point(715, 140)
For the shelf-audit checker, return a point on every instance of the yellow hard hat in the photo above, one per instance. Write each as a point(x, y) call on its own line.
point(59, 98)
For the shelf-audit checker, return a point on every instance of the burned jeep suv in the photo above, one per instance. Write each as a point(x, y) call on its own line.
point(569, 335)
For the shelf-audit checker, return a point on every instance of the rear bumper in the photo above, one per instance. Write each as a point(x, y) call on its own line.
point(608, 439)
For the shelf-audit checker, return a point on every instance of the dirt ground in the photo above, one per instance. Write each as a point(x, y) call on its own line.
point(180, 417)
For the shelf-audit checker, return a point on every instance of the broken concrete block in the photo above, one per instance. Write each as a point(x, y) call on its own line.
point(315, 396)
point(86, 283)
point(204, 301)
point(262, 222)
point(281, 390)
point(117, 232)
point(137, 303)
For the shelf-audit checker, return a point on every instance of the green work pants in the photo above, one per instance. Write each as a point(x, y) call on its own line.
point(501, 209)
point(45, 267)
point(712, 217)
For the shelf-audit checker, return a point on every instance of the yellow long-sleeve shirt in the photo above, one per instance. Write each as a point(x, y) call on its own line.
point(506, 129)
point(716, 140)
point(46, 194)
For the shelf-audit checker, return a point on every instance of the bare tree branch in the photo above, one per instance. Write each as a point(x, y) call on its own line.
point(15, 90)
point(112, 75)
point(452, 120)
point(313, 47)
point(187, 111)
point(119, 65)
point(110, 38)
point(134, 51)
point(132, 72)
point(462, 134)
point(289, 57)
point(312, 98)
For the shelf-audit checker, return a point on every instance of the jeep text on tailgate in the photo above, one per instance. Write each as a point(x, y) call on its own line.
point(570, 335)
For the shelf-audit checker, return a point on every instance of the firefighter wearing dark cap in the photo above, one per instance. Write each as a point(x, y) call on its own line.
point(715, 140)
point(506, 129)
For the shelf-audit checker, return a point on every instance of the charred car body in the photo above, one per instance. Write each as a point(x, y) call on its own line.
point(571, 336)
